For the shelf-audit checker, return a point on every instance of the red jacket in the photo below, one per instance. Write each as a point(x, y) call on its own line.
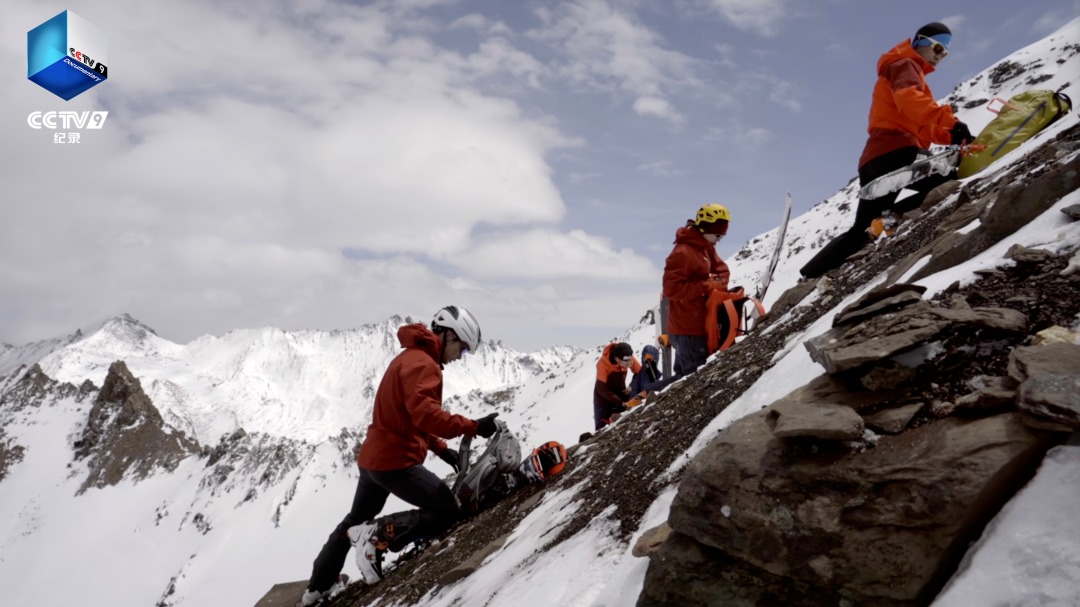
point(408, 417)
point(689, 266)
point(903, 112)
point(610, 384)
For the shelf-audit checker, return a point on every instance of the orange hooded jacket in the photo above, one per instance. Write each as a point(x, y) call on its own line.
point(408, 417)
point(610, 384)
point(903, 112)
point(686, 274)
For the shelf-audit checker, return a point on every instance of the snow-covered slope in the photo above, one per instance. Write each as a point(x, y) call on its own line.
point(13, 357)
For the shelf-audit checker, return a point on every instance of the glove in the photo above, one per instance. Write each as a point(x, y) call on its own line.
point(485, 426)
point(960, 134)
point(449, 456)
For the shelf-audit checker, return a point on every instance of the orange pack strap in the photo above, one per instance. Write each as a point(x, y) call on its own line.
point(722, 304)
point(719, 299)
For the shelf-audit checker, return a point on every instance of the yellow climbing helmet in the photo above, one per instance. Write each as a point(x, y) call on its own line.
point(711, 213)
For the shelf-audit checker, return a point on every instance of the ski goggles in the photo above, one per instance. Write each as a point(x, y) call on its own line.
point(935, 45)
point(626, 359)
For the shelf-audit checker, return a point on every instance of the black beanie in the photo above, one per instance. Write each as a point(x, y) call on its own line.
point(621, 350)
point(931, 29)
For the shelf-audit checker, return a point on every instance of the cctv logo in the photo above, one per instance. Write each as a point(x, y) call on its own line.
point(59, 55)
point(97, 65)
point(67, 120)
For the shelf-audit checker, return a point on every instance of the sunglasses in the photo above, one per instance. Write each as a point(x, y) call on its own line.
point(626, 359)
point(937, 47)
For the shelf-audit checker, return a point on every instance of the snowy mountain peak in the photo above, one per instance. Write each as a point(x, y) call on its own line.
point(303, 385)
point(126, 327)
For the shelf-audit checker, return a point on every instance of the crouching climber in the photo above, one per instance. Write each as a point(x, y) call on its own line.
point(407, 421)
point(610, 393)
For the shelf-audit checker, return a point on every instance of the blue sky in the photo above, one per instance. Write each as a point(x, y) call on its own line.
point(319, 164)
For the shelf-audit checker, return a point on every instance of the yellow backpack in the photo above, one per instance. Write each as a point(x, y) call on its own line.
point(1018, 120)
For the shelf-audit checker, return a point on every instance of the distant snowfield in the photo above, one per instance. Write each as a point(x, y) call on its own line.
point(302, 385)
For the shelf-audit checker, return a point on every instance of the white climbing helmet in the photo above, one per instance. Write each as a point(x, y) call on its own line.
point(461, 322)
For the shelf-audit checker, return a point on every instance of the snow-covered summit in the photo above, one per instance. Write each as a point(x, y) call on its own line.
point(303, 385)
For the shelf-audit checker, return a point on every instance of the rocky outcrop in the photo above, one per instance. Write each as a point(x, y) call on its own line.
point(253, 462)
point(10, 454)
point(799, 505)
point(1002, 211)
point(651, 540)
point(824, 421)
point(126, 436)
point(1049, 377)
point(30, 389)
point(884, 336)
point(876, 527)
point(35, 389)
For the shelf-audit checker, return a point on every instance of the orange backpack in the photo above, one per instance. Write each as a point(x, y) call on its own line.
point(735, 314)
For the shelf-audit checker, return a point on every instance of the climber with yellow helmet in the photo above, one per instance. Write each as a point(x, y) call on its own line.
point(691, 272)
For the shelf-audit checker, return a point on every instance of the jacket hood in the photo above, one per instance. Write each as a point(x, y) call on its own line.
point(419, 336)
point(903, 51)
point(650, 351)
point(689, 234)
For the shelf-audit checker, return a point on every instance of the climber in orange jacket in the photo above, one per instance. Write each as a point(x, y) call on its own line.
point(904, 121)
point(610, 392)
point(691, 272)
point(408, 421)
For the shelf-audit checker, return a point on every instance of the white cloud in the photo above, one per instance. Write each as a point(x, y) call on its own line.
point(761, 16)
point(250, 148)
point(577, 178)
point(655, 106)
point(783, 93)
point(661, 168)
point(481, 24)
point(726, 52)
point(753, 135)
point(605, 48)
point(547, 254)
point(1052, 20)
point(955, 22)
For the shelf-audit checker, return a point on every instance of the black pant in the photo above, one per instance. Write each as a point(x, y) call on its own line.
point(602, 412)
point(438, 511)
point(845, 245)
point(691, 352)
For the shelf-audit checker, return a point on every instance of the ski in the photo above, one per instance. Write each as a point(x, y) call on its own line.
point(663, 338)
point(775, 259)
point(941, 163)
point(464, 451)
